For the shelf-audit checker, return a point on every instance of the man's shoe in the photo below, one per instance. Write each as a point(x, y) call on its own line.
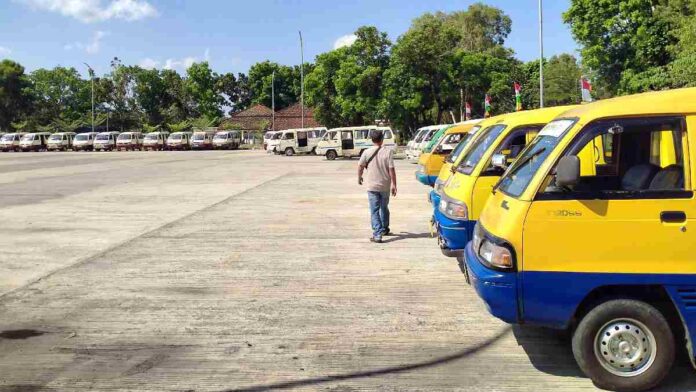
point(386, 232)
point(377, 240)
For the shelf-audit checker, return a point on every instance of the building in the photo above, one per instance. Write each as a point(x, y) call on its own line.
point(260, 118)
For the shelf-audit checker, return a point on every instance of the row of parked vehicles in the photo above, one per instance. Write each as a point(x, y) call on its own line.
point(333, 143)
point(577, 218)
point(128, 141)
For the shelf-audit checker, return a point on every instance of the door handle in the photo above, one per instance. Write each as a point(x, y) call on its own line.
point(673, 216)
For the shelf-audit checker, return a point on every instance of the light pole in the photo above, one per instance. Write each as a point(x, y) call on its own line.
point(302, 77)
point(273, 99)
point(541, 56)
point(91, 75)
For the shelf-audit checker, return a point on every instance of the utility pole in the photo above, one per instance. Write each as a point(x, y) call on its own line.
point(273, 99)
point(302, 77)
point(91, 75)
point(541, 55)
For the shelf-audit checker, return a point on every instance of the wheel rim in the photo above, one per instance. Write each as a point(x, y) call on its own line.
point(625, 347)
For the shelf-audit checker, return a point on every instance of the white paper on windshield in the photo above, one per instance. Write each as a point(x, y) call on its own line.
point(556, 128)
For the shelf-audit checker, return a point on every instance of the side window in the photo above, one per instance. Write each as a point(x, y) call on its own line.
point(628, 158)
point(387, 134)
point(347, 135)
point(512, 146)
point(362, 134)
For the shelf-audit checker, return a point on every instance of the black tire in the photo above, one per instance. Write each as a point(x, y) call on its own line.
point(331, 155)
point(289, 152)
point(624, 312)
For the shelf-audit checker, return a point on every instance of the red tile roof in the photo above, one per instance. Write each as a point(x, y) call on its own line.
point(258, 116)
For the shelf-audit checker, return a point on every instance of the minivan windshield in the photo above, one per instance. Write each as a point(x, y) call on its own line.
point(479, 148)
point(55, 138)
point(220, 136)
point(7, 138)
point(152, 136)
point(520, 174)
point(81, 137)
point(102, 137)
point(175, 137)
point(125, 136)
point(28, 138)
point(452, 157)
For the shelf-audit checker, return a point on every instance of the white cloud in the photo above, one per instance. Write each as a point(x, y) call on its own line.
point(91, 47)
point(149, 63)
point(346, 40)
point(5, 51)
point(89, 11)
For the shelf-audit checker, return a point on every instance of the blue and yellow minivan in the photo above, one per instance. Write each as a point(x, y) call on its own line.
point(481, 165)
point(433, 157)
point(590, 230)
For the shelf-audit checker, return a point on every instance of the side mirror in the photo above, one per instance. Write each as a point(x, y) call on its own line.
point(568, 171)
point(499, 160)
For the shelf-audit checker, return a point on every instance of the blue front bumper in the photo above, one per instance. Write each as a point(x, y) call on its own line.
point(497, 289)
point(453, 235)
point(426, 179)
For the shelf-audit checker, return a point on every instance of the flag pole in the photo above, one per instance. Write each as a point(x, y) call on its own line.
point(302, 77)
point(273, 100)
point(541, 55)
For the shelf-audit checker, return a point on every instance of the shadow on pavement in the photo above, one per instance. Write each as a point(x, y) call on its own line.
point(404, 236)
point(550, 351)
point(380, 371)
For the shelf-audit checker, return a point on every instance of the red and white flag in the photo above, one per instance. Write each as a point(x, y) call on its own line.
point(586, 88)
point(467, 111)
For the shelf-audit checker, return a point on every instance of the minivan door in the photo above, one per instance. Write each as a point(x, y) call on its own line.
point(347, 143)
point(627, 216)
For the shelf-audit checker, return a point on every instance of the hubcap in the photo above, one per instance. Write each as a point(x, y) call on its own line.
point(625, 347)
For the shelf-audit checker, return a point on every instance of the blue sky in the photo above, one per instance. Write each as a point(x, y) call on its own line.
point(230, 34)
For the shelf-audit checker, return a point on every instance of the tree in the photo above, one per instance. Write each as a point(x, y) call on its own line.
point(261, 81)
point(201, 85)
point(683, 70)
point(481, 27)
point(320, 87)
point(561, 81)
point(625, 43)
point(150, 94)
point(15, 93)
point(59, 93)
point(122, 97)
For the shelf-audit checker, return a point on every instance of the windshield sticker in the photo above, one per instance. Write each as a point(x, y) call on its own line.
point(556, 128)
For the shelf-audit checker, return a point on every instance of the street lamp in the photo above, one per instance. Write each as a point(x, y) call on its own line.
point(273, 100)
point(302, 77)
point(91, 75)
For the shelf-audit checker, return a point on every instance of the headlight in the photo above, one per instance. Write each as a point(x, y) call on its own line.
point(496, 255)
point(420, 169)
point(453, 209)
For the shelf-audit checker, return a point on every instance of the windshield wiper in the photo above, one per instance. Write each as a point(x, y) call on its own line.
point(517, 166)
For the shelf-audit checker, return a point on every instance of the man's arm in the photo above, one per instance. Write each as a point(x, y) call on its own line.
point(361, 169)
point(392, 174)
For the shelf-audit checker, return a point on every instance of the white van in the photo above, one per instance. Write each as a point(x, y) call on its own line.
point(10, 141)
point(203, 140)
point(84, 141)
point(132, 140)
point(228, 140)
point(34, 141)
point(416, 139)
point(351, 141)
point(155, 140)
point(299, 141)
point(60, 141)
point(105, 141)
point(267, 140)
point(179, 141)
point(273, 142)
point(422, 138)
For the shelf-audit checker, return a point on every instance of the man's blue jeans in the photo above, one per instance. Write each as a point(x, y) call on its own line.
point(379, 211)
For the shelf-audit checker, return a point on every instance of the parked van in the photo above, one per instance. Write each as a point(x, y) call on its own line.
point(273, 141)
point(129, 141)
point(432, 158)
point(464, 196)
point(10, 141)
point(589, 231)
point(105, 141)
point(179, 141)
point(417, 136)
point(227, 140)
point(155, 140)
point(351, 141)
point(202, 140)
point(60, 141)
point(84, 141)
point(267, 137)
point(422, 138)
point(299, 141)
point(34, 141)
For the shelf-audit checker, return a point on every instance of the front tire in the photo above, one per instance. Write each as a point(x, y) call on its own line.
point(289, 152)
point(331, 155)
point(624, 345)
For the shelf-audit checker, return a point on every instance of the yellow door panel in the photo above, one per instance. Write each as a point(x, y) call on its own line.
point(482, 191)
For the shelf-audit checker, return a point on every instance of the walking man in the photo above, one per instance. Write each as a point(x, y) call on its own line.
point(381, 178)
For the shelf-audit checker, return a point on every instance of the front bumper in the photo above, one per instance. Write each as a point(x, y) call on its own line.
point(498, 290)
point(452, 235)
point(425, 179)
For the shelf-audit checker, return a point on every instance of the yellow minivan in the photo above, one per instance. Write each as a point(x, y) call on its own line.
point(466, 192)
point(430, 162)
point(589, 231)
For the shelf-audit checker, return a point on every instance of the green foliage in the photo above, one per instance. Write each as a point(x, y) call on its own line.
point(59, 93)
point(180, 126)
point(204, 122)
point(260, 81)
point(15, 93)
point(561, 81)
point(147, 128)
point(201, 85)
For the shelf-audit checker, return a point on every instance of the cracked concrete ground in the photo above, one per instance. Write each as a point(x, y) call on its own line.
point(213, 271)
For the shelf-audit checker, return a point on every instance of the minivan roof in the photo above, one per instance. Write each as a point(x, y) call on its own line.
point(361, 127)
point(681, 100)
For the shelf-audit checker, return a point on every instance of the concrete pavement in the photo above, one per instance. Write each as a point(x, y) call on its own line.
point(213, 271)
